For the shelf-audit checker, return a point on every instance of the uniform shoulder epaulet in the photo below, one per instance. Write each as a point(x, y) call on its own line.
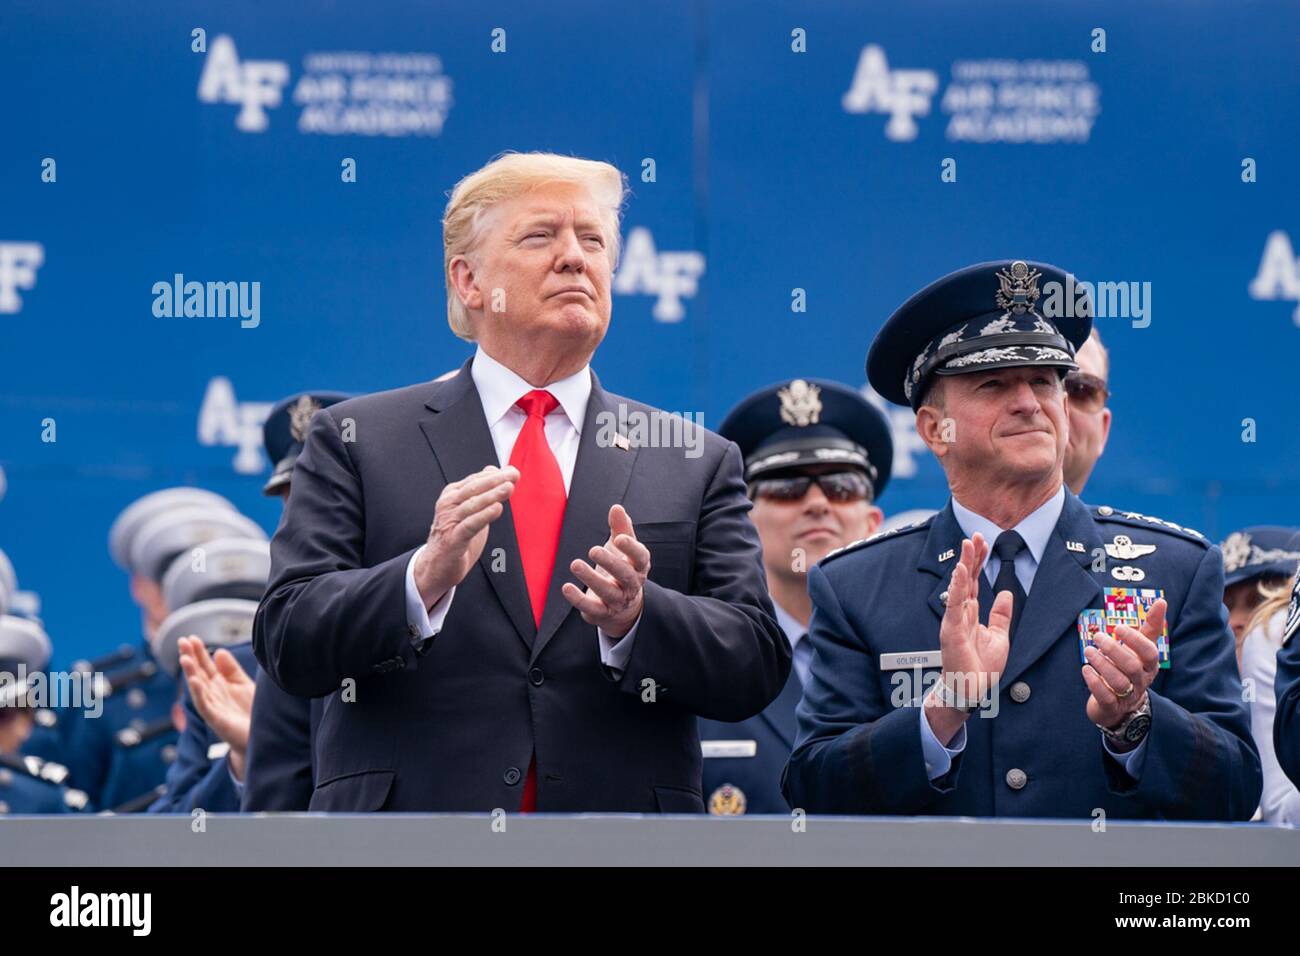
point(34, 767)
point(139, 732)
point(1136, 520)
point(877, 538)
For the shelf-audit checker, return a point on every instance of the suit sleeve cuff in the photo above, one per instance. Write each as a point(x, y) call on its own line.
point(423, 624)
point(615, 652)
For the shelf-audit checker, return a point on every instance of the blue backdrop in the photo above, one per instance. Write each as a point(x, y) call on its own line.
point(798, 156)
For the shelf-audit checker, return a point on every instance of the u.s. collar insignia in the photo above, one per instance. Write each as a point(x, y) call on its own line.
point(1075, 546)
point(801, 403)
point(1018, 288)
point(1123, 548)
point(300, 413)
point(950, 553)
point(727, 801)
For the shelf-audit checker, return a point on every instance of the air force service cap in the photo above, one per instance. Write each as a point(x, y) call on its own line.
point(220, 622)
point(1259, 551)
point(230, 568)
point(128, 524)
point(811, 421)
point(23, 642)
point(992, 315)
point(157, 544)
point(285, 431)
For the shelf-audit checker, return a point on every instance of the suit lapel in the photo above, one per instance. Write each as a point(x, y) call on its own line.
point(600, 480)
point(458, 434)
point(945, 536)
point(1063, 586)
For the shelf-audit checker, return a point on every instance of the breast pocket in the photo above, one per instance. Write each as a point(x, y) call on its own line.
point(672, 552)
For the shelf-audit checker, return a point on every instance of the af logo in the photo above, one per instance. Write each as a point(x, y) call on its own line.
point(224, 421)
point(1279, 273)
point(18, 264)
point(903, 94)
point(671, 276)
point(255, 84)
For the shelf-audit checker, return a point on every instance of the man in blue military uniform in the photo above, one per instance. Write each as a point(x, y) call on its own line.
point(216, 602)
point(120, 758)
point(817, 455)
point(28, 784)
point(1021, 653)
point(1286, 722)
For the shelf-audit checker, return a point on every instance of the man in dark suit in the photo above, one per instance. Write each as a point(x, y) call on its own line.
point(1020, 654)
point(419, 576)
point(817, 456)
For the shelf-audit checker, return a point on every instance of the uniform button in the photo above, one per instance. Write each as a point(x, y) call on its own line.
point(1017, 778)
point(511, 776)
point(1105, 511)
point(943, 598)
point(1020, 692)
point(536, 677)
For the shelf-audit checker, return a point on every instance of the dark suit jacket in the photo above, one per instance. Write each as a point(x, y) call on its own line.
point(757, 777)
point(453, 725)
point(859, 746)
point(281, 742)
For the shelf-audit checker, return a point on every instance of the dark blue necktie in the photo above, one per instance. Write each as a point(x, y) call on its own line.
point(1007, 547)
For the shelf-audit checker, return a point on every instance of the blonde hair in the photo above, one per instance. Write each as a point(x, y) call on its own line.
point(1276, 598)
point(508, 176)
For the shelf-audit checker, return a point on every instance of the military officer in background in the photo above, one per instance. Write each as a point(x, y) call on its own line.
point(817, 455)
point(215, 602)
point(1020, 654)
point(28, 784)
point(1088, 387)
point(120, 758)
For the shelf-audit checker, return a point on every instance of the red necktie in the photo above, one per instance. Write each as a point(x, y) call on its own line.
point(538, 509)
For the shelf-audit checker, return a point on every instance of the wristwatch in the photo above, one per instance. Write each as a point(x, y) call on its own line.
point(1132, 728)
point(946, 696)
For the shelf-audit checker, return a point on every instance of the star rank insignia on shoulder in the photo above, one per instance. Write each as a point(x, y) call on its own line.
point(1135, 519)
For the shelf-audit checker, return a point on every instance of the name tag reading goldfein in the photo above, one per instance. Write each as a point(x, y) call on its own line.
point(729, 748)
point(910, 659)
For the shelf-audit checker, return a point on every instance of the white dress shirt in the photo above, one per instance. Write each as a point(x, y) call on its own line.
point(1280, 802)
point(1036, 530)
point(499, 388)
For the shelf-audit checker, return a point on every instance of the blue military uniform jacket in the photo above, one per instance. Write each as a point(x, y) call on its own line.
point(26, 789)
point(743, 760)
point(199, 777)
point(859, 742)
point(124, 752)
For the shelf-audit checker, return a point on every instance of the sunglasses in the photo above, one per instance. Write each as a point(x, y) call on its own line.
point(1087, 392)
point(837, 486)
